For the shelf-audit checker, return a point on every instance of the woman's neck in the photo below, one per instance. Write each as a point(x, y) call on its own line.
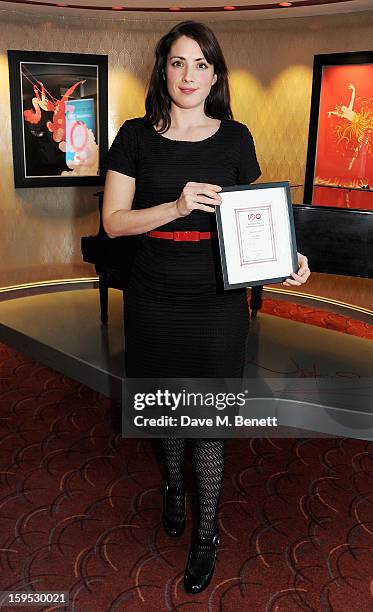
point(183, 120)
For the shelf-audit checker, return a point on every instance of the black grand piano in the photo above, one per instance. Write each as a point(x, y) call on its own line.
point(335, 240)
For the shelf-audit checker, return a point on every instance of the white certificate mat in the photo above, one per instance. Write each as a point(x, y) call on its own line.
point(256, 234)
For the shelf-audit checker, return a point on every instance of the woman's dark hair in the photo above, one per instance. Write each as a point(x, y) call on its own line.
point(158, 102)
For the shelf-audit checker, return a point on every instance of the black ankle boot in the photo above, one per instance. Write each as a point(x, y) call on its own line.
point(194, 580)
point(173, 528)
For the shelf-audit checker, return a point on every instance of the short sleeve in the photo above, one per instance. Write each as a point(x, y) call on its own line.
point(123, 153)
point(249, 169)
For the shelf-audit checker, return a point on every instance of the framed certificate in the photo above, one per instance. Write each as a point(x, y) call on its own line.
point(256, 234)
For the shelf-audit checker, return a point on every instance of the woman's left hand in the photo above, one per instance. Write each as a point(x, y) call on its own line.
point(300, 277)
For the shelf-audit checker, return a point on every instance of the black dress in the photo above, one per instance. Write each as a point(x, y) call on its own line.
point(179, 321)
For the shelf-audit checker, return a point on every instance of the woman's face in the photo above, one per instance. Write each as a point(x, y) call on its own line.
point(188, 75)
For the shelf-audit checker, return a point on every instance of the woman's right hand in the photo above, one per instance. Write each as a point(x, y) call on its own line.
point(200, 196)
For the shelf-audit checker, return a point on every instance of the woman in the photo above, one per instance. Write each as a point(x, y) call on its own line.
point(165, 171)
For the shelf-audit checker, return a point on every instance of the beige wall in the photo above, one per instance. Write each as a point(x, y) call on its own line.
point(270, 65)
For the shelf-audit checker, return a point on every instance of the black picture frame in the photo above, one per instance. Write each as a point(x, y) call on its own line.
point(59, 110)
point(320, 62)
point(223, 246)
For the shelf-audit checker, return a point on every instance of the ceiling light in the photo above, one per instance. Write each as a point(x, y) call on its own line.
point(284, 4)
point(229, 8)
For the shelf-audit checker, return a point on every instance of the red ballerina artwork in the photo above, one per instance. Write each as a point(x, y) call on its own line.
point(344, 157)
point(355, 131)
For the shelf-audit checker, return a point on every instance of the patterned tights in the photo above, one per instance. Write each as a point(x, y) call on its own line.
point(208, 468)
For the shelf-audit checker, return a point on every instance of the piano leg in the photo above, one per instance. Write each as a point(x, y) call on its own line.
point(256, 300)
point(103, 288)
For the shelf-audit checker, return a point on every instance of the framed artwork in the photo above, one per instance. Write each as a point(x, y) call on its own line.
point(339, 169)
point(59, 118)
point(256, 234)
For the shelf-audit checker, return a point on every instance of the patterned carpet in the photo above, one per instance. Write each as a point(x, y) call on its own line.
point(318, 317)
point(80, 511)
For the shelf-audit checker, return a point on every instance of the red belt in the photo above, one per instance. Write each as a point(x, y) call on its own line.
point(180, 236)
